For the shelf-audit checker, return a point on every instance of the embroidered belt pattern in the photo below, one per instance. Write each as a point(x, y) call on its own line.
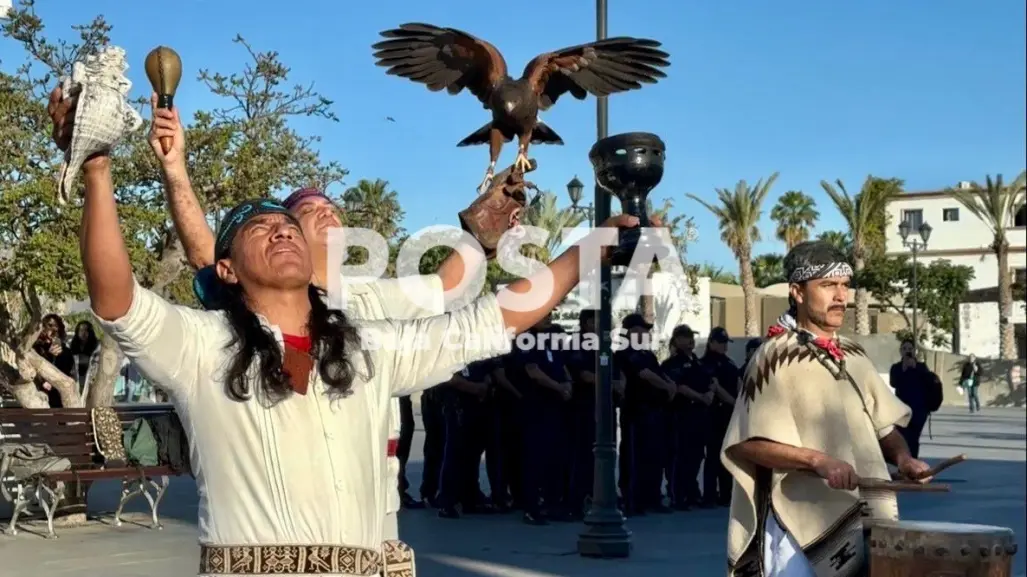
point(395, 560)
point(288, 560)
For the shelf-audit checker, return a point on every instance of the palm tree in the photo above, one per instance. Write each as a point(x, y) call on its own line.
point(839, 239)
point(715, 273)
point(795, 214)
point(768, 269)
point(865, 214)
point(372, 205)
point(738, 213)
point(996, 204)
point(544, 213)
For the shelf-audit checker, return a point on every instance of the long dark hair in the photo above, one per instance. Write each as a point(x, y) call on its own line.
point(332, 339)
point(87, 346)
point(62, 332)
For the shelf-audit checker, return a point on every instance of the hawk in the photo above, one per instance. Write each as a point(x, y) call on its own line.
point(450, 59)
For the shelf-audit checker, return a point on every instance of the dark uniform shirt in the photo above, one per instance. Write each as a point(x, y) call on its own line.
point(552, 361)
point(687, 370)
point(913, 385)
point(638, 391)
point(723, 369)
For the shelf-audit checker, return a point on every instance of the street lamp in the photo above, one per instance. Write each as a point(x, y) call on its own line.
point(915, 246)
point(605, 534)
point(574, 190)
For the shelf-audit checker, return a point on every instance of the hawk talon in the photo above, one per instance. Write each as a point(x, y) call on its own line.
point(522, 163)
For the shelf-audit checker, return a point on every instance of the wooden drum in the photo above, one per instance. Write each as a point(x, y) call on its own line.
point(926, 549)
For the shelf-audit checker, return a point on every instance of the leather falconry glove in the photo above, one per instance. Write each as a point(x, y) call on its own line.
point(498, 209)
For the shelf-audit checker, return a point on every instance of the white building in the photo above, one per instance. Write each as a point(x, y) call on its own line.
point(958, 236)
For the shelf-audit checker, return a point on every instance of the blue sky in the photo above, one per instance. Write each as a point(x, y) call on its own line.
point(932, 91)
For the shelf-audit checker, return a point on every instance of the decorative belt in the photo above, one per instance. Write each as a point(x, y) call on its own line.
point(395, 560)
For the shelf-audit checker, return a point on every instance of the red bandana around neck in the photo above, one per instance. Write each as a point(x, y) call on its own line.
point(830, 346)
point(297, 362)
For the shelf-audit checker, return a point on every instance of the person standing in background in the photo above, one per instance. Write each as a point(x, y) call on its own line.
point(52, 346)
point(506, 414)
point(403, 445)
point(724, 376)
point(544, 455)
point(582, 366)
point(86, 348)
point(918, 387)
point(689, 420)
point(970, 379)
point(643, 420)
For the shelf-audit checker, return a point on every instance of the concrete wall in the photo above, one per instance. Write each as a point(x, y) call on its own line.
point(1002, 384)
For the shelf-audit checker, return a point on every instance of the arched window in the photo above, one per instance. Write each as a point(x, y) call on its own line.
point(1020, 218)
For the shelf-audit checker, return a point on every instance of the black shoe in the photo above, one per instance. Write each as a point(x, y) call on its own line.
point(479, 509)
point(409, 502)
point(449, 513)
point(707, 504)
point(430, 502)
point(682, 506)
point(561, 516)
point(535, 519)
point(661, 509)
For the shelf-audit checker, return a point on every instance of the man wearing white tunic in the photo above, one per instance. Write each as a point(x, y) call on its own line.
point(287, 448)
point(379, 299)
point(813, 418)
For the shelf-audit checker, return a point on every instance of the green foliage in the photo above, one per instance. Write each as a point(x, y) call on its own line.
point(738, 213)
point(795, 215)
point(243, 149)
point(841, 240)
point(941, 286)
point(716, 273)
point(768, 269)
point(865, 213)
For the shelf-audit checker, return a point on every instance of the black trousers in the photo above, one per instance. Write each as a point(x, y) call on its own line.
point(582, 434)
point(912, 432)
point(477, 441)
point(642, 456)
point(453, 474)
point(492, 429)
point(716, 479)
point(406, 439)
point(544, 454)
point(689, 423)
point(507, 479)
point(434, 443)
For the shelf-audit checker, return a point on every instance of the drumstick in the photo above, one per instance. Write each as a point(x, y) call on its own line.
point(933, 471)
point(903, 486)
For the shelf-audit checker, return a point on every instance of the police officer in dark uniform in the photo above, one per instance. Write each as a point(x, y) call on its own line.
point(406, 439)
point(434, 443)
point(643, 420)
point(724, 377)
point(544, 458)
point(503, 455)
point(461, 398)
point(582, 366)
point(689, 418)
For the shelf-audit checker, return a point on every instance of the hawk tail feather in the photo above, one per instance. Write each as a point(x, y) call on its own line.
point(480, 136)
point(543, 134)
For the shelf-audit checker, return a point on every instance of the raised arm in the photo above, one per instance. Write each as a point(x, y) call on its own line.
point(186, 212)
point(165, 342)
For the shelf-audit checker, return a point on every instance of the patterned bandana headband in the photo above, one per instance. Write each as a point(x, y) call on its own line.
point(817, 271)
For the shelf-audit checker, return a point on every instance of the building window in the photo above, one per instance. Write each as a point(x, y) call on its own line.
point(1020, 218)
point(1020, 277)
point(950, 215)
point(915, 217)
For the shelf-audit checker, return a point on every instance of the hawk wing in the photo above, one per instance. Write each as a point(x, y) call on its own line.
point(597, 68)
point(441, 58)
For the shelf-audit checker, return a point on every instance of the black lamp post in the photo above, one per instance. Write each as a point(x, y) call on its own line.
point(605, 535)
point(575, 189)
point(915, 246)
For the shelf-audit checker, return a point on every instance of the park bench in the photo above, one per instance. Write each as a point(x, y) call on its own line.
point(69, 433)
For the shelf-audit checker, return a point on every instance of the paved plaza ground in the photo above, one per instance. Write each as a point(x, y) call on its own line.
point(990, 489)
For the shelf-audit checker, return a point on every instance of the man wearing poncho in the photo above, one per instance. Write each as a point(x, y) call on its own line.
point(813, 417)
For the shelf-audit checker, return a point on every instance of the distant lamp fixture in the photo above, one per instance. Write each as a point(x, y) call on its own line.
point(925, 232)
point(575, 188)
point(904, 230)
